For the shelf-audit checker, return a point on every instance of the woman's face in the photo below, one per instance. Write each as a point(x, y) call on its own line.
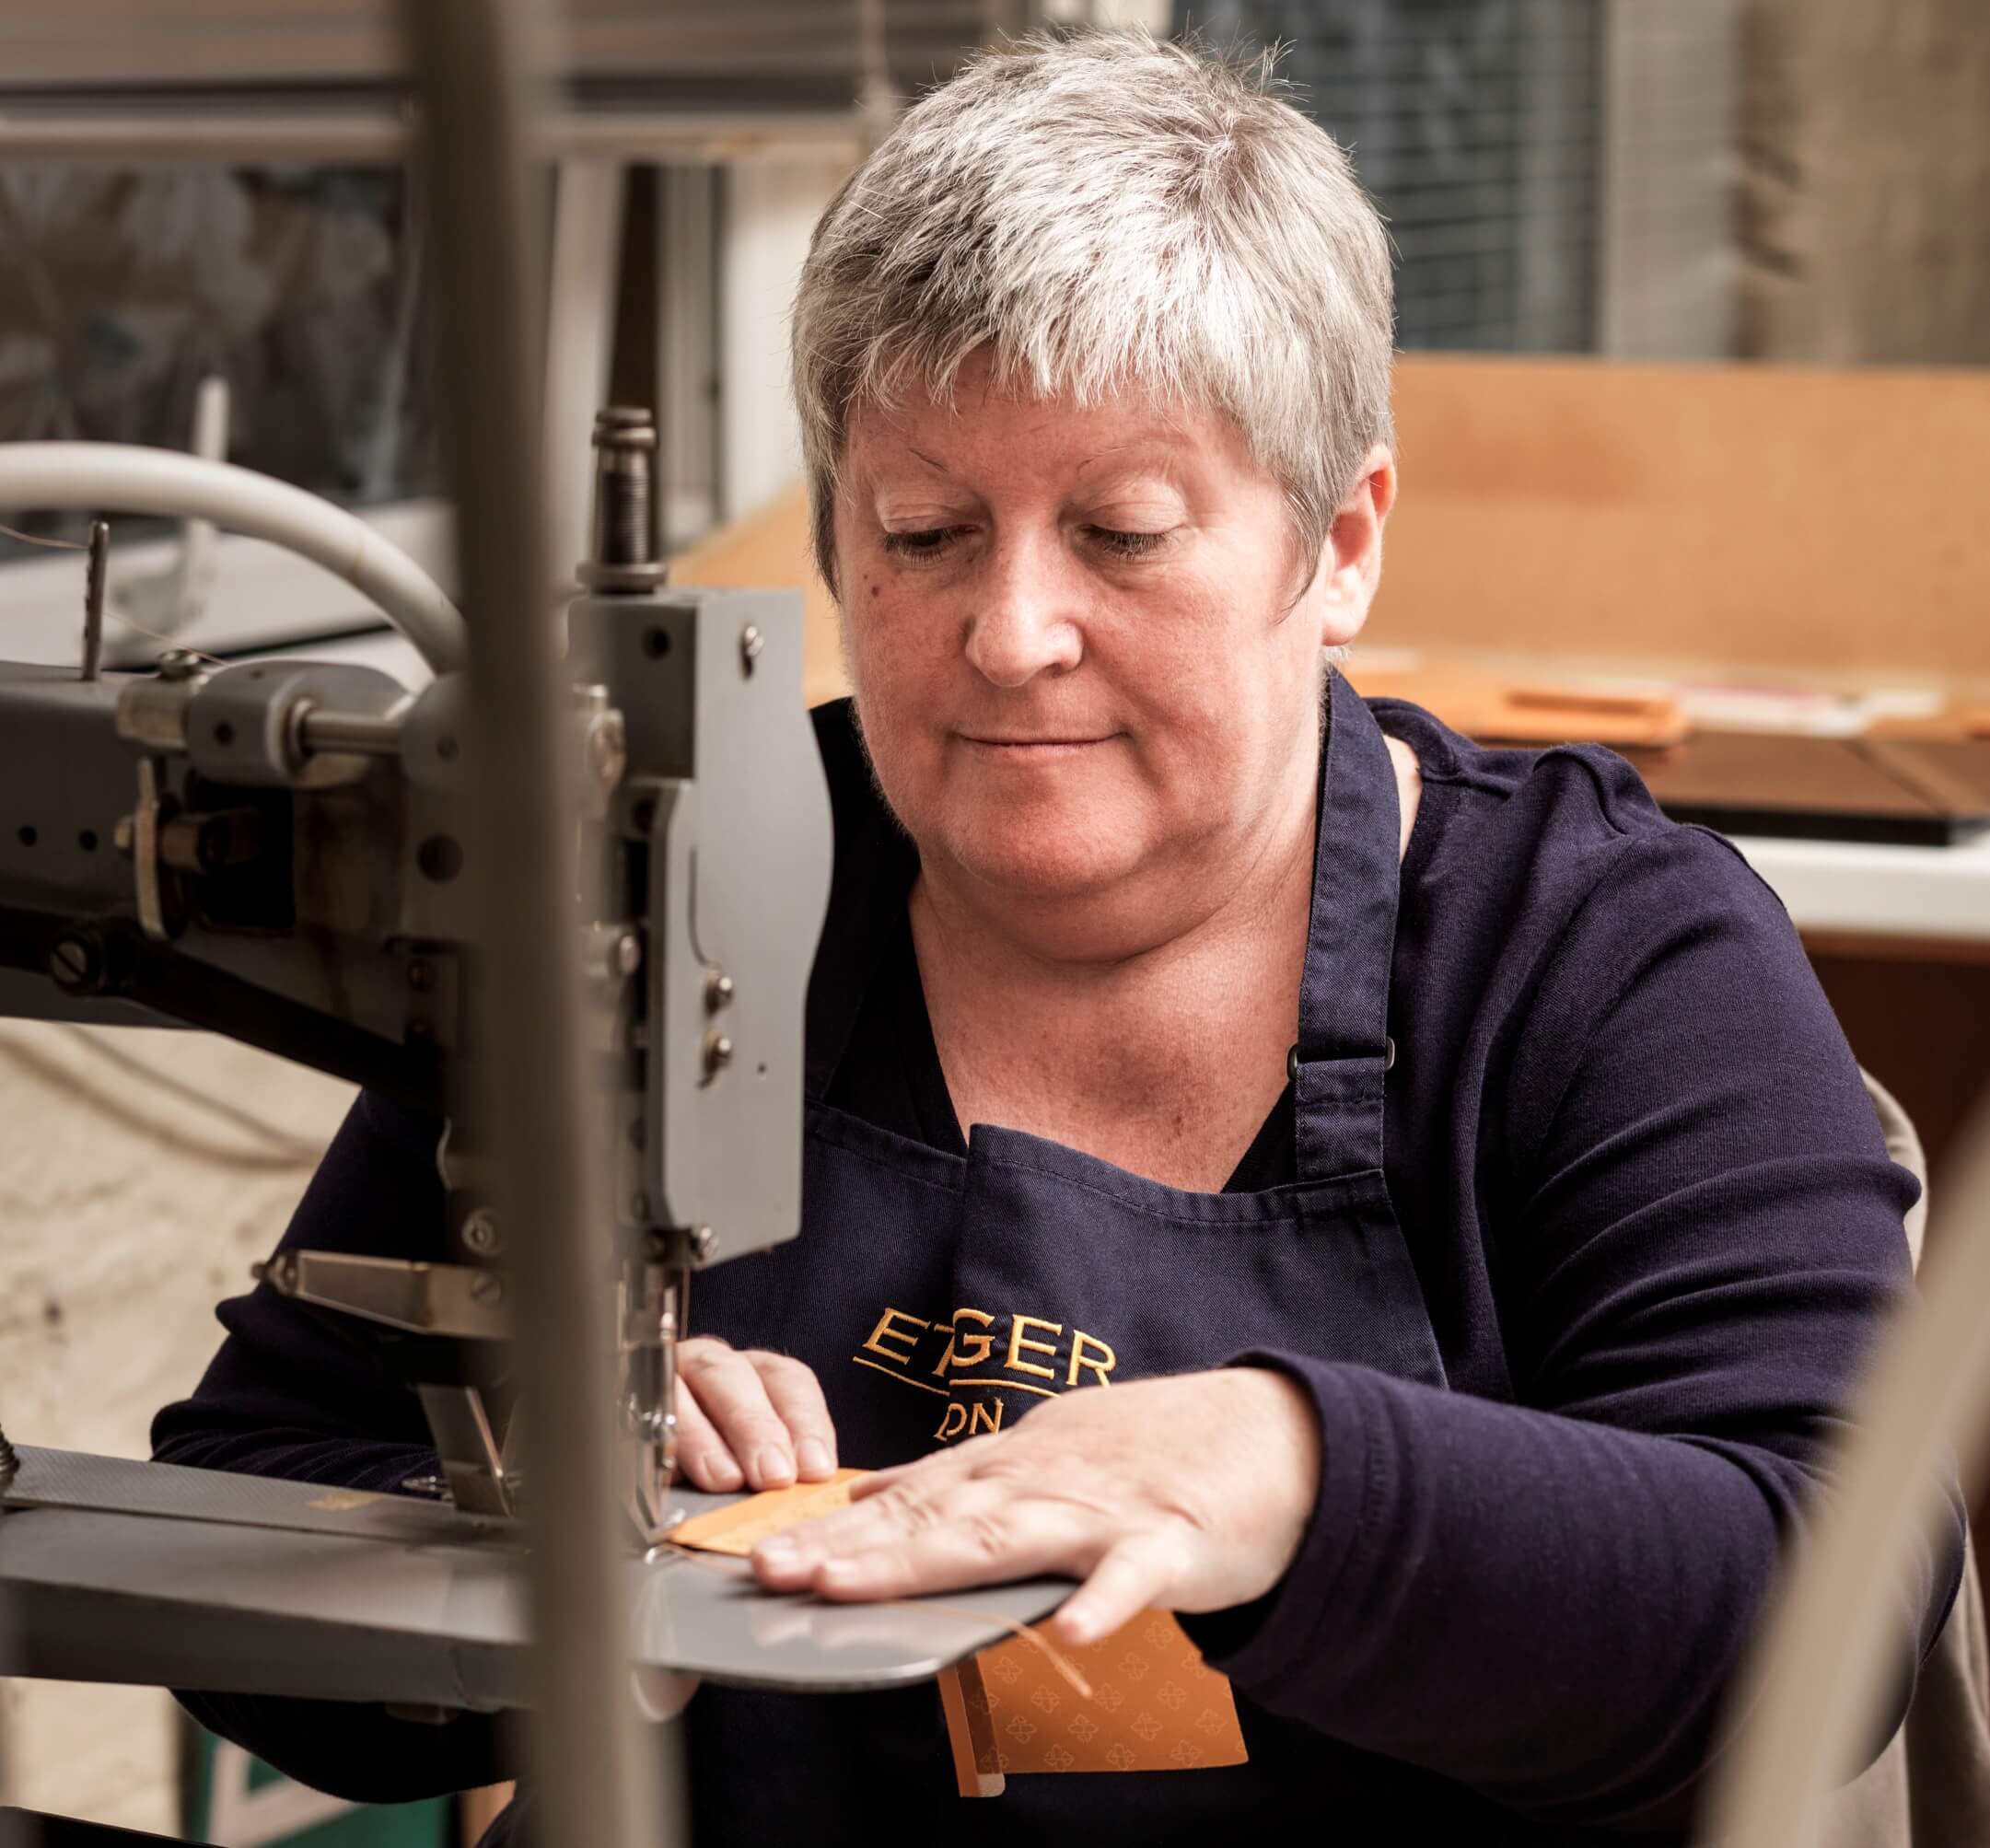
point(1074, 641)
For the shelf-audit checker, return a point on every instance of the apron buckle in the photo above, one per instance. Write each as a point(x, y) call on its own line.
point(1292, 1059)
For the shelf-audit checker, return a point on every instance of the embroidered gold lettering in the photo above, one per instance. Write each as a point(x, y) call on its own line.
point(1080, 1340)
point(986, 1417)
point(885, 1331)
point(958, 1349)
point(952, 1424)
point(1019, 1341)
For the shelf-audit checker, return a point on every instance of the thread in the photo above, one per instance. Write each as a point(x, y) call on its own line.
point(52, 544)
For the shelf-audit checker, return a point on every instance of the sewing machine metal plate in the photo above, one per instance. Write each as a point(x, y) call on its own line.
point(118, 1571)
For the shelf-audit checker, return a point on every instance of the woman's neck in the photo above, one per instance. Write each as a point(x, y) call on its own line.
point(1151, 1034)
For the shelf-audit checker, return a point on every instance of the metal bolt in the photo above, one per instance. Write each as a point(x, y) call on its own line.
point(718, 990)
point(73, 963)
point(421, 976)
point(718, 1054)
point(488, 1288)
point(481, 1234)
point(606, 750)
point(751, 643)
point(179, 664)
point(703, 1242)
point(624, 953)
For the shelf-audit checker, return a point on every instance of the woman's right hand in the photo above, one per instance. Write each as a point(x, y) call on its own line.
point(747, 1418)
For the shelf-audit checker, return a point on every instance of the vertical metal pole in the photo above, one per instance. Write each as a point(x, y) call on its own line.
point(93, 601)
point(477, 71)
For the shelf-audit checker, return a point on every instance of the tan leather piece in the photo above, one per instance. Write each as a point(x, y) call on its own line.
point(740, 1527)
point(1155, 1705)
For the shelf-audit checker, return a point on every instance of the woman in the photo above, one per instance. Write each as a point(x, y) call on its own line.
point(1450, 1168)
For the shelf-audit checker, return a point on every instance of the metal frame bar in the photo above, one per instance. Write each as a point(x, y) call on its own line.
point(480, 73)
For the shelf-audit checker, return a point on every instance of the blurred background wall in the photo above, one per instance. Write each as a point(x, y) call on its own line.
point(1865, 137)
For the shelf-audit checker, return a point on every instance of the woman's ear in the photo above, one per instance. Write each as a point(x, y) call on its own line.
point(1352, 566)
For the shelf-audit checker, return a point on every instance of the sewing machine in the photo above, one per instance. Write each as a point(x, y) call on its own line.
point(276, 851)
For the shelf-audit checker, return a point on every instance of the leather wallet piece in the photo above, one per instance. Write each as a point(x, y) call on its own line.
point(1154, 1705)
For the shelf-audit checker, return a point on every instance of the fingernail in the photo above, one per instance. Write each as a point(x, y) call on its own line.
point(813, 1456)
point(774, 1469)
point(840, 1574)
point(725, 1473)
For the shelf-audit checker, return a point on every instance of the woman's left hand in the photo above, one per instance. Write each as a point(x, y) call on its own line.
point(1188, 1493)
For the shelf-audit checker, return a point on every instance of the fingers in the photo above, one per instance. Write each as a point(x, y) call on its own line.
point(1134, 1575)
point(752, 1418)
point(796, 1396)
point(702, 1456)
point(978, 1534)
point(920, 1501)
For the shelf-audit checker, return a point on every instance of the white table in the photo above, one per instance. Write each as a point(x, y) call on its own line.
point(1934, 894)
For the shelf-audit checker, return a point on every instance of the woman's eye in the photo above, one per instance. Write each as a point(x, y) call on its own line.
point(1127, 544)
point(930, 542)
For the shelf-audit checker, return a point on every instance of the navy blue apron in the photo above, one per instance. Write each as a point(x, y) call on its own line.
point(938, 1298)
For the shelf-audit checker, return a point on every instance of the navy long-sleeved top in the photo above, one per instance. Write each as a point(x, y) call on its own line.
point(1654, 1226)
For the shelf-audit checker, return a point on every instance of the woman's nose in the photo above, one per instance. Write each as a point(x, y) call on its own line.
point(1025, 622)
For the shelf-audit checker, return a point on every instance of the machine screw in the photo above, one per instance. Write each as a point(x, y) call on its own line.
point(73, 963)
point(626, 954)
point(718, 990)
point(703, 1242)
point(179, 664)
point(481, 1234)
point(750, 644)
point(718, 1054)
point(488, 1288)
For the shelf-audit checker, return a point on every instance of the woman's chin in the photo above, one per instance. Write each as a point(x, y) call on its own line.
point(1041, 863)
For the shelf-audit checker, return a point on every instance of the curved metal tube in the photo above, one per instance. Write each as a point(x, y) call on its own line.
point(477, 69)
point(1810, 1701)
point(134, 478)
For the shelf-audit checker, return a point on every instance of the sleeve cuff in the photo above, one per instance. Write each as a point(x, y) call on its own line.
point(1258, 1645)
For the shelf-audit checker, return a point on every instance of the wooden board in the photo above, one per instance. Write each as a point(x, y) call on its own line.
point(1798, 520)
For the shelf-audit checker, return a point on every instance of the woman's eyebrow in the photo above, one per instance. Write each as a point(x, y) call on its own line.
point(1157, 447)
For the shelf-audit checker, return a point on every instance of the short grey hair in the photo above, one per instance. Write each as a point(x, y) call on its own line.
point(1106, 212)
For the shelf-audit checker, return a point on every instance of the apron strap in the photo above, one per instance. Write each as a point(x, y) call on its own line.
point(1343, 1047)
